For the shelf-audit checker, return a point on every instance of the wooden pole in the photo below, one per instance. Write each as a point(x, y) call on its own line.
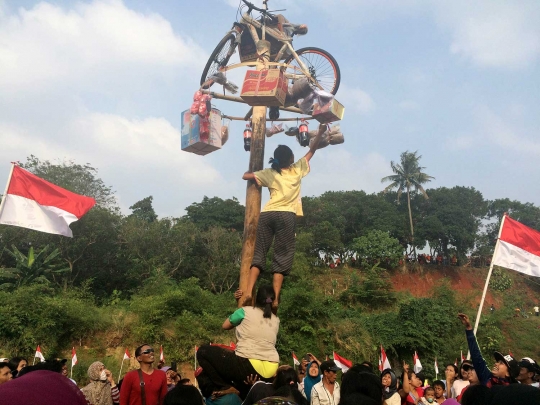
point(253, 192)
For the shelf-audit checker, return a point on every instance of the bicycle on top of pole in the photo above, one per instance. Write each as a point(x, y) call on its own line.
point(315, 64)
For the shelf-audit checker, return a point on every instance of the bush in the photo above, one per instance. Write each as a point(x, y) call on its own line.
point(500, 281)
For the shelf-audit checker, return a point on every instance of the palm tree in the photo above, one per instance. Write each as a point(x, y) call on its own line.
point(408, 175)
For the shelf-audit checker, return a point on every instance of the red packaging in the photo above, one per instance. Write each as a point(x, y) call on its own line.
point(265, 88)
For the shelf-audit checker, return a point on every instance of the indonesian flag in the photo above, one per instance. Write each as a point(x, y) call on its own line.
point(456, 363)
point(126, 355)
point(342, 362)
point(161, 356)
point(73, 357)
point(34, 203)
point(462, 356)
point(295, 359)
point(518, 248)
point(39, 354)
point(436, 366)
point(384, 359)
point(417, 364)
point(380, 364)
point(233, 345)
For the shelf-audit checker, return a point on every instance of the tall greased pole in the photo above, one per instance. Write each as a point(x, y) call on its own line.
point(253, 192)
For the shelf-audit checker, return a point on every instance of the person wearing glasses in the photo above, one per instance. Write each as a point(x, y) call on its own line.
point(463, 380)
point(472, 377)
point(146, 382)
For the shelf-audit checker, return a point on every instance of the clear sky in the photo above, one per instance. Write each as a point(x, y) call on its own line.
point(105, 82)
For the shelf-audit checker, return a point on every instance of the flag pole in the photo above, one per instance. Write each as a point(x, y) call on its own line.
point(34, 362)
point(71, 368)
point(5, 194)
point(121, 365)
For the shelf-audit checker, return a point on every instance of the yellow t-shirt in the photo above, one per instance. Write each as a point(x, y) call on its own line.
point(285, 187)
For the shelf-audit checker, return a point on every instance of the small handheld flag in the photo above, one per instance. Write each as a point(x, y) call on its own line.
point(295, 359)
point(417, 364)
point(342, 362)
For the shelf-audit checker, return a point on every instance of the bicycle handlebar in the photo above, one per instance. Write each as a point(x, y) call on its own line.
point(251, 6)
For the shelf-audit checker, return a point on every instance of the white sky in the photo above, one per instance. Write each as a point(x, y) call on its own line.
point(105, 81)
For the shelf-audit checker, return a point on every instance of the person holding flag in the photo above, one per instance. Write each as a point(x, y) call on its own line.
point(412, 385)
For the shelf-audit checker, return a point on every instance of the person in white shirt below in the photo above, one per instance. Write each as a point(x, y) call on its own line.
point(527, 369)
point(326, 392)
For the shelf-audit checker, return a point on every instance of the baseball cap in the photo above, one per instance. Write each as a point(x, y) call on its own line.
point(329, 365)
point(529, 364)
point(511, 363)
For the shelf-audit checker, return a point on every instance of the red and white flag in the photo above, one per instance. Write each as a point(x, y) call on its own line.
point(39, 355)
point(380, 364)
point(384, 360)
point(462, 356)
point(342, 362)
point(34, 203)
point(73, 357)
point(518, 248)
point(456, 363)
point(436, 367)
point(161, 356)
point(295, 359)
point(126, 355)
point(417, 365)
point(196, 348)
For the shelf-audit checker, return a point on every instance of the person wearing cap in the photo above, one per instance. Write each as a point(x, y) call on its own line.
point(527, 369)
point(504, 371)
point(326, 392)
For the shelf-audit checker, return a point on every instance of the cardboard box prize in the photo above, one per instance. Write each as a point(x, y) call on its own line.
point(264, 87)
point(191, 139)
point(329, 112)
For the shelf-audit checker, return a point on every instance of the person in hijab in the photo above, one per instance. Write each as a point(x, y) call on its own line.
point(313, 376)
point(102, 390)
point(389, 383)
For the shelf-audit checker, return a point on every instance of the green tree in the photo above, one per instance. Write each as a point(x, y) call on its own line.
point(143, 210)
point(211, 212)
point(377, 247)
point(408, 177)
point(30, 269)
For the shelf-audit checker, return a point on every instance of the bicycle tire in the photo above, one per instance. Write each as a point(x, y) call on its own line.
point(214, 63)
point(322, 66)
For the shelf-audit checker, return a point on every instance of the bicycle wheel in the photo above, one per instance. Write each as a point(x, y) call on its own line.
point(321, 66)
point(219, 57)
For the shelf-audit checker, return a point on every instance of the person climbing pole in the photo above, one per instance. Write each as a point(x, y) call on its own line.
point(277, 221)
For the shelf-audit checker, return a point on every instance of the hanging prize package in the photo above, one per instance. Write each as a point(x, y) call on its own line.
point(274, 129)
point(224, 134)
point(273, 113)
point(264, 88)
point(332, 136)
point(247, 137)
point(292, 131)
point(328, 111)
point(303, 135)
point(220, 78)
point(201, 135)
point(196, 102)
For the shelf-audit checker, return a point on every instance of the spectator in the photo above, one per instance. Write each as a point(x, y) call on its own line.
point(390, 385)
point(256, 333)
point(5, 372)
point(527, 370)
point(17, 364)
point(183, 395)
point(463, 380)
point(285, 376)
point(439, 389)
point(429, 396)
point(412, 385)
point(155, 381)
point(536, 310)
point(64, 370)
point(171, 377)
point(451, 373)
point(473, 380)
point(492, 308)
point(102, 390)
point(357, 381)
point(326, 392)
point(41, 387)
point(312, 378)
point(476, 395)
point(505, 369)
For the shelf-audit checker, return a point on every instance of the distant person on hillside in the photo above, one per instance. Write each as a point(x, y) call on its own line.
point(145, 382)
point(463, 378)
point(102, 389)
point(277, 222)
point(536, 310)
point(492, 308)
point(505, 369)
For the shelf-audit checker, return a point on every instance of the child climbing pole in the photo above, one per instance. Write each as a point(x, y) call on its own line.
point(277, 221)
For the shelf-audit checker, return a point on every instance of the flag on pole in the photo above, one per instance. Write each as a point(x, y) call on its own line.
point(380, 364)
point(161, 356)
point(39, 355)
point(295, 359)
point(34, 203)
point(196, 348)
point(342, 362)
point(462, 356)
point(436, 366)
point(519, 248)
point(417, 364)
point(384, 359)
point(456, 363)
point(73, 357)
point(126, 355)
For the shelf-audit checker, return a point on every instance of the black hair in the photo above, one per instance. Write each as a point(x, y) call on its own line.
point(264, 299)
point(4, 364)
point(49, 365)
point(184, 381)
point(14, 362)
point(476, 395)
point(282, 158)
point(439, 383)
point(138, 350)
point(291, 392)
point(362, 368)
point(368, 364)
point(358, 399)
point(455, 369)
point(183, 395)
point(285, 376)
point(364, 383)
point(428, 389)
point(464, 362)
